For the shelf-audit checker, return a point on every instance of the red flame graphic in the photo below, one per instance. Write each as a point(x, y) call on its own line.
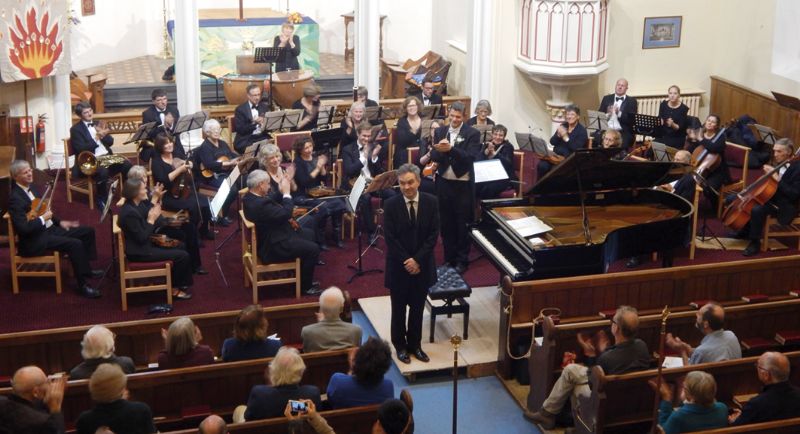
point(34, 51)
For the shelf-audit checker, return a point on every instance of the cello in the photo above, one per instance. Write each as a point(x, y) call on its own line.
point(737, 214)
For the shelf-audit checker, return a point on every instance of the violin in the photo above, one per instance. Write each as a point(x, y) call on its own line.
point(181, 184)
point(41, 205)
point(162, 240)
point(321, 191)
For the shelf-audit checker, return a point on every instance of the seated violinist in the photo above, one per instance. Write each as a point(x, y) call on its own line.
point(175, 174)
point(501, 149)
point(216, 162)
point(783, 203)
point(140, 219)
point(43, 232)
point(278, 240)
point(568, 138)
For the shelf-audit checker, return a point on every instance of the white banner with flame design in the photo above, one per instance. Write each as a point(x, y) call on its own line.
point(34, 39)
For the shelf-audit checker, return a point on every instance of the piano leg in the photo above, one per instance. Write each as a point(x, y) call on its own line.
point(667, 257)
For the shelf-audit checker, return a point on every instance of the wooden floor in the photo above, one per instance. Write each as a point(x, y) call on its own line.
point(478, 353)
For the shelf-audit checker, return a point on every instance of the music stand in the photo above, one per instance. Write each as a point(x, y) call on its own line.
point(662, 152)
point(374, 113)
point(704, 228)
point(766, 134)
point(430, 111)
point(425, 129)
point(486, 132)
point(103, 216)
point(489, 170)
point(325, 116)
point(291, 118)
point(268, 55)
point(596, 121)
point(787, 101)
point(142, 133)
point(190, 122)
point(274, 120)
point(645, 124)
point(326, 140)
point(358, 190)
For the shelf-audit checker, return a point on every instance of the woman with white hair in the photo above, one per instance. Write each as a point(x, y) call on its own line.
point(183, 349)
point(285, 372)
point(108, 388)
point(216, 160)
point(98, 348)
point(354, 117)
point(483, 109)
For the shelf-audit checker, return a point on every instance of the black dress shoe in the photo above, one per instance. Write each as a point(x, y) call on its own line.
point(633, 262)
point(404, 357)
point(320, 262)
point(97, 273)
point(200, 271)
point(461, 268)
point(421, 356)
point(752, 249)
point(88, 292)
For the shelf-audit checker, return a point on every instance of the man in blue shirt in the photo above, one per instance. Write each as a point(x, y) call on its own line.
point(717, 345)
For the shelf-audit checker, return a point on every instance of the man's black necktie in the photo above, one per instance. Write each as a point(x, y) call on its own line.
point(412, 212)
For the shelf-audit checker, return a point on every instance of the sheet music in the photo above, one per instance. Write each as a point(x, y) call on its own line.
point(597, 120)
point(356, 192)
point(673, 362)
point(219, 199)
point(529, 226)
point(489, 170)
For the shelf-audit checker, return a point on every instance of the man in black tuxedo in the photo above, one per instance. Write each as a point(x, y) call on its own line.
point(277, 239)
point(783, 203)
point(624, 107)
point(84, 137)
point(412, 228)
point(48, 232)
point(166, 117)
point(248, 120)
point(363, 157)
point(429, 97)
point(456, 148)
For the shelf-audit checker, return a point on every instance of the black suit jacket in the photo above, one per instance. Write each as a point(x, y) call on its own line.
point(466, 150)
point(271, 219)
point(351, 164)
point(137, 230)
point(244, 126)
point(82, 140)
point(627, 109)
point(578, 139)
point(404, 241)
point(776, 401)
point(19, 416)
point(32, 233)
point(788, 194)
point(152, 115)
point(435, 99)
point(287, 59)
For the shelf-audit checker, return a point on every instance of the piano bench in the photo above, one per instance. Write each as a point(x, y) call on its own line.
point(450, 288)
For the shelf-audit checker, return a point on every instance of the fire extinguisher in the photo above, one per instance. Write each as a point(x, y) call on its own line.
point(40, 136)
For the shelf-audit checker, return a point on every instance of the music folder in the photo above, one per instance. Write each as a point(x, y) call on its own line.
point(489, 170)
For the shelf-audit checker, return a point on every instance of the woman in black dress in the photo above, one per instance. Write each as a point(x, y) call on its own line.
point(501, 149)
point(217, 160)
point(408, 131)
point(714, 144)
point(568, 138)
point(674, 115)
point(289, 44)
point(483, 109)
point(427, 183)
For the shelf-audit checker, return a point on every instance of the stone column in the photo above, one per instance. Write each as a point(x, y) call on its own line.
point(187, 56)
point(367, 46)
point(479, 51)
point(59, 123)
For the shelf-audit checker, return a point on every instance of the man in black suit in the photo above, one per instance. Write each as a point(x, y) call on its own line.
point(778, 400)
point(35, 403)
point(166, 117)
point(783, 203)
point(429, 97)
point(48, 232)
point(248, 120)
point(363, 157)
point(412, 228)
point(277, 239)
point(456, 148)
point(85, 137)
point(623, 107)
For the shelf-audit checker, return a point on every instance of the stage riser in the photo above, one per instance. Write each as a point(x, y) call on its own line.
point(122, 97)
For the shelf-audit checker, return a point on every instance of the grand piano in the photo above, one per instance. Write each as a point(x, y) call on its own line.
point(599, 210)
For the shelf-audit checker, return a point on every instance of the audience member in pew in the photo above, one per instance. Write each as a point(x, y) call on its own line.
point(213, 425)
point(717, 345)
point(699, 411)
point(107, 387)
point(627, 354)
point(367, 384)
point(35, 403)
point(394, 417)
point(331, 332)
point(285, 372)
point(182, 346)
point(250, 339)
point(779, 399)
point(98, 348)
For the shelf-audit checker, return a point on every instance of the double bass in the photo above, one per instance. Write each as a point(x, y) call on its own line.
point(737, 214)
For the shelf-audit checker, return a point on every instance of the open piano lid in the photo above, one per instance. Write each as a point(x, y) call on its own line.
point(599, 172)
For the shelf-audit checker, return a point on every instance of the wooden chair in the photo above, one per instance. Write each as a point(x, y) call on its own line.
point(773, 229)
point(735, 156)
point(231, 128)
point(696, 204)
point(33, 266)
point(337, 179)
point(140, 276)
point(519, 171)
point(392, 140)
point(253, 265)
point(284, 141)
point(81, 185)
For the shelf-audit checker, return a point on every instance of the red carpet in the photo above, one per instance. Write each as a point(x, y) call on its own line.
point(37, 306)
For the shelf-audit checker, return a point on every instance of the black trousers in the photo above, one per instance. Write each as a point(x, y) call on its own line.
point(199, 217)
point(300, 245)
point(456, 213)
point(79, 244)
point(181, 263)
point(407, 337)
point(758, 218)
point(190, 238)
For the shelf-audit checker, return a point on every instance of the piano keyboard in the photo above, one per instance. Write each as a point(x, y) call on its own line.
point(495, 254)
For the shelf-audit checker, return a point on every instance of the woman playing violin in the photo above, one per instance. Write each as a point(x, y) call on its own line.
point(217, 160)
point(310, 172)
point(175, 175)
point(714, 144)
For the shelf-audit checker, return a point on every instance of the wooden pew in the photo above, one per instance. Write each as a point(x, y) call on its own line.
point(581, 298)
point(358, 420)
point(761, 320)
point(618, 402)
point(180, 397)
point(56, 350)
point(785, 426)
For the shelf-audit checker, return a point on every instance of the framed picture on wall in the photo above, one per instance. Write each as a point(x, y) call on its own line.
point(87, 7)
point(662, 32)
